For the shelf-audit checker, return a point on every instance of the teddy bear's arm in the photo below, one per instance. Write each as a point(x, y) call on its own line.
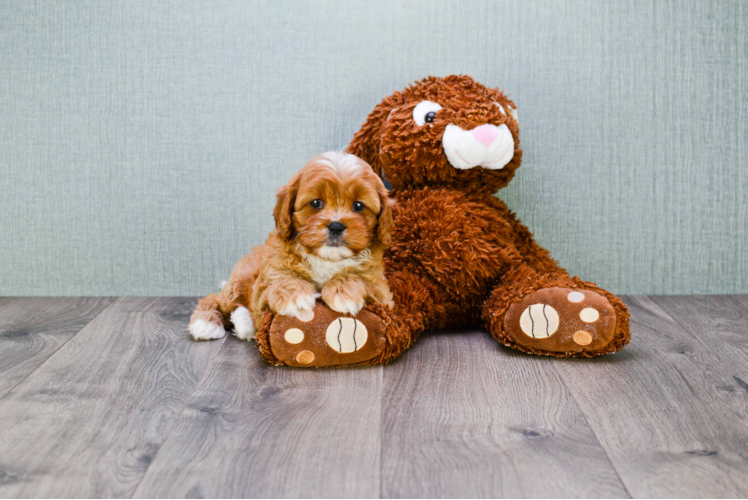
point(458, 240)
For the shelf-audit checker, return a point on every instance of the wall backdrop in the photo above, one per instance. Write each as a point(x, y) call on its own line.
point(141, 142)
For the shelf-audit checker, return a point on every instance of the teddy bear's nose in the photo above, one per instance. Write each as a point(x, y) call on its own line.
point(485, 134)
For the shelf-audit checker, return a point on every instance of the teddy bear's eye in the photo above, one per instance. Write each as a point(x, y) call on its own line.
point(425, 112)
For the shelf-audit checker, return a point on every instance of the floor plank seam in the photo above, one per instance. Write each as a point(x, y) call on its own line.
point(61, 346)
point(594, 433)
point(381, 426)
point(181, 411)
point(684, 327)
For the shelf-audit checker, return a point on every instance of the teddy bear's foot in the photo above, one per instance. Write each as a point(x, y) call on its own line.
point(323, 337)
point(561, 321)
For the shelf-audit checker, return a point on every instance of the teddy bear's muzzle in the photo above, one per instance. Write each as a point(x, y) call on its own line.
point(486, 146)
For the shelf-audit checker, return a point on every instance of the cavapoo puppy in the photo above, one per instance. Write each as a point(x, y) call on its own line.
point(333, 223)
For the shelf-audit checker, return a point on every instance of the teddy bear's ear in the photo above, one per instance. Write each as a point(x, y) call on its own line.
point(506, 106)
point(513, 112)
point(365, 143)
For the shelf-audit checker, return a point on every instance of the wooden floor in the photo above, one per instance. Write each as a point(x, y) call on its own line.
point(104, 397)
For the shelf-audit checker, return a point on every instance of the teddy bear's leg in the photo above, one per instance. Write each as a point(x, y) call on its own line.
point(556, 315)
point(324, 337)
point(327, 338)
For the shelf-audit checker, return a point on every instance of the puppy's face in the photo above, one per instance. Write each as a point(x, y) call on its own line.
point(334, 207)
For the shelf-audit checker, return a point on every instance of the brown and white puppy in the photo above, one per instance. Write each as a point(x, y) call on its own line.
point(333, 223)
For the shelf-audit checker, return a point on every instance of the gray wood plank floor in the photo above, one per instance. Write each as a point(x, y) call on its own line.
point(34, 328)
point(110, 398)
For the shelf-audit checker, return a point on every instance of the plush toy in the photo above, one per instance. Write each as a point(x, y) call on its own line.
point(459, 257)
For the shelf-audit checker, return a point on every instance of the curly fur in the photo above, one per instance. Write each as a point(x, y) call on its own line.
point(458, 255)
point(303, 258)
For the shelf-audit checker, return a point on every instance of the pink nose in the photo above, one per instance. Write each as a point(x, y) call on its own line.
point(485, 134)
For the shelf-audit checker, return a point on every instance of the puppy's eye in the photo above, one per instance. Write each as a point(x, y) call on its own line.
point(317, 204)
point(358, 206)
point(425, 112)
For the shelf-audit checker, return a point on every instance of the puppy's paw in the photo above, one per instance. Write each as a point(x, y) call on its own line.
point(201, 329)
point(299, 306)
point(345, 297)
point(345, 304)
point(244, 327)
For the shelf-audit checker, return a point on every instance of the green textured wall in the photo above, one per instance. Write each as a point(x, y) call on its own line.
point(141, 142)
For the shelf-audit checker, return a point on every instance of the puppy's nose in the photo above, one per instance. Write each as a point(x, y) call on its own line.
point(336, 228)
point(485, 134)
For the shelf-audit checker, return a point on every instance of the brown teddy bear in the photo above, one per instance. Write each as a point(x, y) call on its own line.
point(459, 257)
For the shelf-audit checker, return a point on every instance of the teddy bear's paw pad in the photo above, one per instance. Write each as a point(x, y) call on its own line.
point(561, 320)
point(327, 338)
point(346, 335)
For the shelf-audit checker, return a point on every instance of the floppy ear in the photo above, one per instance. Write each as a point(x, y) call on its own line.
point(283, 211)
point(365, 143)
point(384, 222)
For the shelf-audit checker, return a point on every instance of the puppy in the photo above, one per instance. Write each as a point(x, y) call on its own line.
point(333, 223)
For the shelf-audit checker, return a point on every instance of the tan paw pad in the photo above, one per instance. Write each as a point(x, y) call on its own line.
point(582, 338)
point(589, 315)
point(346, 335)
point(305, 315)
point(539, 321)
point(575, 297)
point(294, 336)
point(305, 357)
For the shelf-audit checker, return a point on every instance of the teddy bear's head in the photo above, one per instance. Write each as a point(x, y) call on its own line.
point(450, 131)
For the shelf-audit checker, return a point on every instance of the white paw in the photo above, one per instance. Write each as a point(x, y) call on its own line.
point(205, 330)
point(244, 327)
point(300, 307)
point(346, 306)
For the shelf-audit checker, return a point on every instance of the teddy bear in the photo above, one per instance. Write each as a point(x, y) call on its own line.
point(458, 256)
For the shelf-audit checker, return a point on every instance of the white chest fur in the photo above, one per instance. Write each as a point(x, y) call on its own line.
point(322, 270)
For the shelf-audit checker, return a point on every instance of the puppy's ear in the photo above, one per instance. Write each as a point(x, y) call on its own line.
point(384, 222)
point(365, 143)
point(283, 211)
